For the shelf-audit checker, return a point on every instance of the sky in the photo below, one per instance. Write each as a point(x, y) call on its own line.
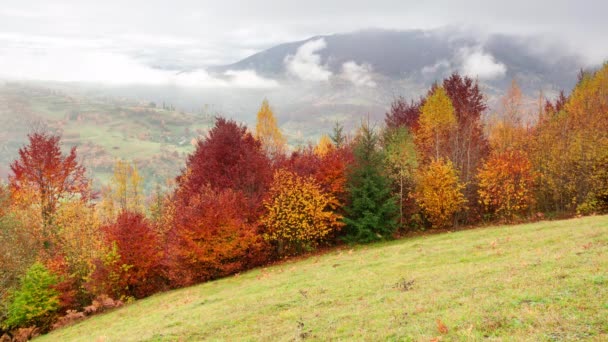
point(119, 41)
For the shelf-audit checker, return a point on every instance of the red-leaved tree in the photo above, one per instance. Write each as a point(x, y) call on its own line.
point(216, 206)
point(43, 172)
point(132, 266)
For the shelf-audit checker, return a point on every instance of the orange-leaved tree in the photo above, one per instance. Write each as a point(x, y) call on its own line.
point(506, 184)
point(212, 236)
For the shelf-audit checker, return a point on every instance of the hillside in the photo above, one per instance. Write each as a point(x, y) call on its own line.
point(155, 136)
point(540, 281)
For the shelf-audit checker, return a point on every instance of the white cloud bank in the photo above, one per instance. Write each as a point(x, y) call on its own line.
point(358, 74)
point(306, 63)
point(68, 64)
point(470, 61)
point(477, 63)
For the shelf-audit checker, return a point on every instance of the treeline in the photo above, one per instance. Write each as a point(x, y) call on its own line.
point(244, 200)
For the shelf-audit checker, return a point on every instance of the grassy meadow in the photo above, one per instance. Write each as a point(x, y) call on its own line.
point(545, 281)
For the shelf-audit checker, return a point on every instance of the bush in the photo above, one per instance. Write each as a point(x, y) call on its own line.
point(439, 193)
point(35, 301)
point(298, 214)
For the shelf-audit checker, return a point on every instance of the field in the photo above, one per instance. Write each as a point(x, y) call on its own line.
point(156, 137)
point(544, 281)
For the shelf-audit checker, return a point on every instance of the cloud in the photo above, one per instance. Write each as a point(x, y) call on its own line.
point(306, 63)
point(358, 74)
point(474, 62)
point(249, 79)
point(470, 61)
point(77, 64)
point(439, 67)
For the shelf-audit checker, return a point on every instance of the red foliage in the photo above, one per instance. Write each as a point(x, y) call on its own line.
point(212, 237)
point(332, 174)
point(469, 146)
point(229, 158)
point(555, 107)
point(403, 113)
point(304, 162)
point(67, 286)
point(43, 168)
point(328, 170)
point(138, 247)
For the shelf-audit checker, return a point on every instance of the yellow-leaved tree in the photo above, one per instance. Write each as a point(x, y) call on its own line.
point(437, 120)
point(324, 146)
point(439, 193)
point(268, 133)
point(299, 214)
point(124, 193)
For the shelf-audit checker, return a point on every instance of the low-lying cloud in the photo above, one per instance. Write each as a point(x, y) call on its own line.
point(470, 61)
point(358, 74)
point(475, 62)
point(68, 64)
point(306, 63)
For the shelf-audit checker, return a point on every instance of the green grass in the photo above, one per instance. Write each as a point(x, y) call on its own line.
point(544, 281)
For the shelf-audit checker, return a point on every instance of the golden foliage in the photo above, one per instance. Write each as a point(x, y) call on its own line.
point(437, 119)
point(439, 193)
point(124, 193)
point(299, 214)
point(324, 146)
point(268, 133)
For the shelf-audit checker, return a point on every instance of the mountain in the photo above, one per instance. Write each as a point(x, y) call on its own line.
point(427, 56)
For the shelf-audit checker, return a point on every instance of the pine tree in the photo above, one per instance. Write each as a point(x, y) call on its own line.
point(372, 212)
point(337, 136)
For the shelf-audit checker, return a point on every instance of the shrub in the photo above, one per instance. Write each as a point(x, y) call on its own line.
point(439, 193)
point(35, 301)
point(298, 214)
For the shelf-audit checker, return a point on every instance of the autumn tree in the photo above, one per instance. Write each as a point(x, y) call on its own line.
point(507, 131)
point(139, 256)
point(216, 205)
point(329, 170)
point(403, 114)
point(506, 184)
point(439, 193)
point(299, 215)
point(44, 171)
point(469, 145)
point(213, 236)
point(124, 192)
point(229, 158)
point(268, 133)
point(401, 162)
point(552, 108)
point(35, 301)
point(19, 248)
point(324, 146)
point(79, 243)
point(437, 120)
point(574, 168)
point(371, 213)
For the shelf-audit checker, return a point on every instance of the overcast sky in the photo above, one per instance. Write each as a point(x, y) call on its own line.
point(82, 40)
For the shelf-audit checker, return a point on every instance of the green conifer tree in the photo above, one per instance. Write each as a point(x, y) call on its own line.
point(372, 211)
